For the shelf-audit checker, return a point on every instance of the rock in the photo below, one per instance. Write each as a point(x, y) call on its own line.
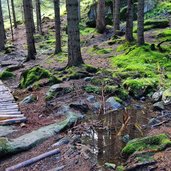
point(112, 104)
point(126, 138)
point(5, 130)
point(82, 107)
point(96, 106)
point(91, 99)
point(157, 96)
point(58, 89)
point(87, 79)
point(138, 106)
point(110, 166)
point(63, 110)
point(166, 97)
point(61, 142)
point(156, 142)
point(29, 99)
point(159, 106)
point(153, 121)
point(30, 140)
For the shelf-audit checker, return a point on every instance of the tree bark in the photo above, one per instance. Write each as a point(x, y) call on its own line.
point(140, 19)
point(27, 4)
point(13, 13)
point(2, 29)
point(129, 21)
point(100, 20)
point(38, 16)
point(74, 49)
point(57, 26)
point(117, 16)
point(9, 13)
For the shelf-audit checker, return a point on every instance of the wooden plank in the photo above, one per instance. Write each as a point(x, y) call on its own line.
point(10, 113)
point(13, 121)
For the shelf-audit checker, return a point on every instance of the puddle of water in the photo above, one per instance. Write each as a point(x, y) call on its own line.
point(103, 139)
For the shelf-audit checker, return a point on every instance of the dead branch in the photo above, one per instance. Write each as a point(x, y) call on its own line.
point(33, 160)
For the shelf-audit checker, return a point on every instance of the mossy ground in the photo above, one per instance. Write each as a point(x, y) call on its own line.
point(154, 143)
point(142, 69)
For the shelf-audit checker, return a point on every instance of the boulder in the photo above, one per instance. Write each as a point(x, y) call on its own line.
point(159, 106)
point(112, 104)
point(57, 90)
point(157, 96)
point(166, 97)
point(29, 99)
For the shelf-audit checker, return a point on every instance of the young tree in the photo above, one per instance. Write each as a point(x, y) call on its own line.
point(38, 16)
point(129, 21)
point(100, 20)
point(2, 30)
point(27, 4)
point(140, 19)
point(74, 50)
point(57, 26)
point(116, 19)
point(13, 13)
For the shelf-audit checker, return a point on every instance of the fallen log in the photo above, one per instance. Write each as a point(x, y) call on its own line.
point(33, 160)
point(13, 121)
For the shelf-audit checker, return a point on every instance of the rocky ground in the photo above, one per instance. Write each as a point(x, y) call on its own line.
point(103, 124)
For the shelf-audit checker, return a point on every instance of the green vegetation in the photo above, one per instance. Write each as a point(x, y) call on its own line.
point(154, 143)
point(162, 8)
point(99, 51)
point(34, 75)
point(6, 75)
point(142, 69)
point(165, 35)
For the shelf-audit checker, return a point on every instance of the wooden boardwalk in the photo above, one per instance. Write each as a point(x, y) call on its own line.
point(9, 109)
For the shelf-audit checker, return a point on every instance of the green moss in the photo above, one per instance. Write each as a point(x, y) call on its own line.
point(35, 74)
point(153, 23)
point(165, 34)
point(120, 168)
point(92, 89)
point(4, 145)
point(141, 69)
point(99, 51)
point(6, 75)
point(160, 11)
point(156, 143)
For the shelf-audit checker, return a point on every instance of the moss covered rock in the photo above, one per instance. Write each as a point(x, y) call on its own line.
point(35, 74)
point(154, 143)
point(6, 75)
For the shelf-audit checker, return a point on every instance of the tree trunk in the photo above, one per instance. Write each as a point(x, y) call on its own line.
point(38, 16)
point(27, 4)
point(13, 13)
point(57, 26)
point(79, 10)
point(2, 29)
point(140, 19)
point(74, 50)
point(9, 13)
point(32, 17)
point(116, 16)
point(100, 20)
point(129, 21)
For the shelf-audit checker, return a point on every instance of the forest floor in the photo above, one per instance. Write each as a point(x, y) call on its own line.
point(83, 155)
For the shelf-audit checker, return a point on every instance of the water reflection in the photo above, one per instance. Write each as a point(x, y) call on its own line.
point(103, 139)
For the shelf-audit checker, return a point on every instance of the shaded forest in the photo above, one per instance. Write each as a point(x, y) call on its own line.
point(85, 85)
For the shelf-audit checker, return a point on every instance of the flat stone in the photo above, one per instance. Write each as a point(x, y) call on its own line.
point(159, 106)
point(5, 130)
point(111, 103)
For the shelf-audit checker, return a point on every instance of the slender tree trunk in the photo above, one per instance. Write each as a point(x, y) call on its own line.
point(57, 26)
point(129, 21)
point(116, 16)
point(79, 10)
point(13, 13)
point(100, 20)
point(9, 12)
point(2, 29)
point(32, 17)
point(140, 19)
point(74, 49)
point(38, 16)
point(27, 4)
